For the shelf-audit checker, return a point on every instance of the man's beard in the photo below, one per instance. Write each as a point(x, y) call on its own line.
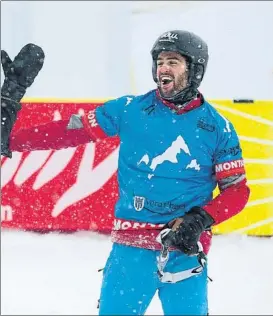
point(171, 89)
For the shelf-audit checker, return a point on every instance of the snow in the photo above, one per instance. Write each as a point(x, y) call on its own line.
point(57, 274)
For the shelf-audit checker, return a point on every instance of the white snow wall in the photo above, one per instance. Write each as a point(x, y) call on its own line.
point(100, 49)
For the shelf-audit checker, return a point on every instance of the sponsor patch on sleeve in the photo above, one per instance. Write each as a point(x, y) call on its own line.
point(229, 168)
point(91, 125)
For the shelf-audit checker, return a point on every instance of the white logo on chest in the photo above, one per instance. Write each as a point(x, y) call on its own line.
point(170, 154)
point(139, 202)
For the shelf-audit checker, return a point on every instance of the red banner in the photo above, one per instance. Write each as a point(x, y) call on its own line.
point(65, 190)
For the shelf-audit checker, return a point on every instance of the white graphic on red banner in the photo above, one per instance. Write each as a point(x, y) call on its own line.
point(69, 189)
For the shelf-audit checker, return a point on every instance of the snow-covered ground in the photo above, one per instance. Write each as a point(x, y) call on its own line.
point(57, 274)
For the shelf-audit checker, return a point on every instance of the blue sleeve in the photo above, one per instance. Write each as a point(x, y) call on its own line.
point(228, 147)
point(228, 159)
point(109, 115)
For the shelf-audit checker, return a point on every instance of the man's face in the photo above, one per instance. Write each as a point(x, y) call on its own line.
point(172, 73)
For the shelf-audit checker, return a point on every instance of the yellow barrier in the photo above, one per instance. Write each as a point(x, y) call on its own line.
point(253, 121)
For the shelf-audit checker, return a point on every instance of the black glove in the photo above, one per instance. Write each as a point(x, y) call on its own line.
point(19, 75)
point(185, 231)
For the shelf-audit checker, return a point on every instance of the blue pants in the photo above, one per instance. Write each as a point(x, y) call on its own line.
point(130, 282)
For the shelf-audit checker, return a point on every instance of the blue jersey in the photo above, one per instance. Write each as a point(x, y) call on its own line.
point(166, 161)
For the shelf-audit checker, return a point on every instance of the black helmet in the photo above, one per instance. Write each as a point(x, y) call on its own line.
point(196, 52)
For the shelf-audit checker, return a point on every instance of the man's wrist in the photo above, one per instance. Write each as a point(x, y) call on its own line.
point(207, 219)
point(12, 90)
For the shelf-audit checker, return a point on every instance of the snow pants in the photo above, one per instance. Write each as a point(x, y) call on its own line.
point(130, 282)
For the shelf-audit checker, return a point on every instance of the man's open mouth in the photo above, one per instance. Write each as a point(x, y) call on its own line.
point(164, 80)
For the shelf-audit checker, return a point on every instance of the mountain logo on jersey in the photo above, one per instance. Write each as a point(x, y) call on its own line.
point(170, 154)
